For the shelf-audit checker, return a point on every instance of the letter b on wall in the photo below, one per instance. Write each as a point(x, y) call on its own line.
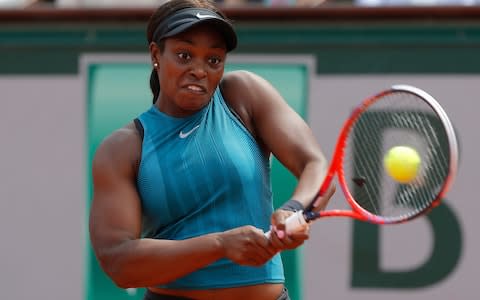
point(367, 271)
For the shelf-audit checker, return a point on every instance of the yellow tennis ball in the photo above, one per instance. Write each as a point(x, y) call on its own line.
point(402, 163)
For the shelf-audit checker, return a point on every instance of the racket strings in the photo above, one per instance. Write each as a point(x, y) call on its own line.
point(435, 160)
point(366, 193)
point(396, 119)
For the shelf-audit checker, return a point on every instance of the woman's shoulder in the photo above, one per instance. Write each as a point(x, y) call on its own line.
point(121, 148)
point(122, 136)
point(241, 88)
point(244, 92)
point(245, 86)
point(238, 91)
point(239, 78)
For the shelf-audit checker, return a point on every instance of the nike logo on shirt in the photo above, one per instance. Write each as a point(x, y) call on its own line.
point(183, 135)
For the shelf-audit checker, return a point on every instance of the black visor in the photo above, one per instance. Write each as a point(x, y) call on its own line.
point(184, 19)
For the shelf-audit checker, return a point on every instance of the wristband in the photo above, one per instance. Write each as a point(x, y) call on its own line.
point(292, 205)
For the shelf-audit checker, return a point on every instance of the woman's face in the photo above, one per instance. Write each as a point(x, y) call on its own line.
point(189, 69)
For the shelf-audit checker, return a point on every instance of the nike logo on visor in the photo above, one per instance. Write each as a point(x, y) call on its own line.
point(200, 16)
point(183, 135)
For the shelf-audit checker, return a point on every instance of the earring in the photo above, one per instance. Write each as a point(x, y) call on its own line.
point(155, 65)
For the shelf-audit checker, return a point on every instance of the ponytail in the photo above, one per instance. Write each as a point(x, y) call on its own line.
point(154, 85)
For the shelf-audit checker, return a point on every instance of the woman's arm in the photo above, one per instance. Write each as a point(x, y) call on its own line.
point(115, 226)
point(281, 131)
point(278, 129)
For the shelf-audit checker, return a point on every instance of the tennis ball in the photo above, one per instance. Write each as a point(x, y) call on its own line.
point(402, 163)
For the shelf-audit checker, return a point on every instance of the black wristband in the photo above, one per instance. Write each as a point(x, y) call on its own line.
point(292, 205)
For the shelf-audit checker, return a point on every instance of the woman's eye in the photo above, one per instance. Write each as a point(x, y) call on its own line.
point(215, 60)
point(184, 55)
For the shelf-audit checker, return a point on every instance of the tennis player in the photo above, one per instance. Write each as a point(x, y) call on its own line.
point(182, 194)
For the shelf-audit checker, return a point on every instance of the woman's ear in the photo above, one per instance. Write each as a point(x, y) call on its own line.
point(154, 53)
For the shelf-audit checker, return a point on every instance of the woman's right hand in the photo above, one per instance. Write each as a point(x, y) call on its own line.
point(247, 245)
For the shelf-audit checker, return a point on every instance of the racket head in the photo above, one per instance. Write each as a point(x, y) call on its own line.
point(402, 115)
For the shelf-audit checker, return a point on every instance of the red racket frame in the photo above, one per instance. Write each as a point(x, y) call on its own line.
point(336, 166)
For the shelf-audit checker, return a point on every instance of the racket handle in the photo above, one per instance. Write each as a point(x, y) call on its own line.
point(294, 223)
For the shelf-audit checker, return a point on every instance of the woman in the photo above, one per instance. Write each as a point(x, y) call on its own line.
point(182, 195)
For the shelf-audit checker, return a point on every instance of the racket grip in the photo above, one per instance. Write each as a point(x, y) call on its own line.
point(294, 223)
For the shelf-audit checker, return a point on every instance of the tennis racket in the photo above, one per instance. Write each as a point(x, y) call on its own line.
point(399, 116)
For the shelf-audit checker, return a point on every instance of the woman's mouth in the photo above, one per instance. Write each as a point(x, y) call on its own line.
point(195, 88)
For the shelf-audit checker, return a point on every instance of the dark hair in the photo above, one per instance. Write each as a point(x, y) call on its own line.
point(165, 10)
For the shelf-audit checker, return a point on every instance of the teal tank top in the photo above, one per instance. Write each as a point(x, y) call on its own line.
point(201, 174)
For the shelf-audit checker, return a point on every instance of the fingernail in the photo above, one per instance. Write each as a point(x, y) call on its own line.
point(281, 234)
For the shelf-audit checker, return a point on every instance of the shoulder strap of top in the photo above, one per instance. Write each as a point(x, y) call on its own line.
point(139, 127)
